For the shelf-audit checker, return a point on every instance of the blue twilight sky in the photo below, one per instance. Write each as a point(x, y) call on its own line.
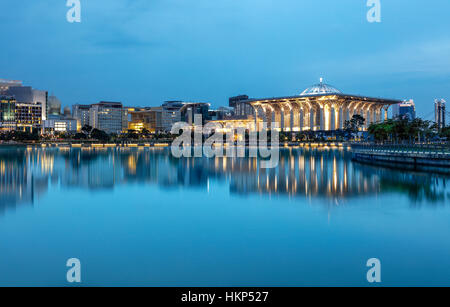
point(142, 52)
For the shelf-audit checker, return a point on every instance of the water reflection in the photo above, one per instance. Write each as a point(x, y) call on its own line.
point(28, 173)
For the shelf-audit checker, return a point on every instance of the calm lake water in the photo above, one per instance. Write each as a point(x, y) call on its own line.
point(141, 217)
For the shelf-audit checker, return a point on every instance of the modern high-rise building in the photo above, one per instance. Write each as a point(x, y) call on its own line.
point(439, 113)
point(26, 94)
point(171, 114)
point(19, 116)
point(405, 109)
point(110, 117)
point(234, 100)
point(81, 112)
point(244, 109)
point(179, 111)
point(7, 113)
point(28, 116)
point(241, 106)
point(191, 109)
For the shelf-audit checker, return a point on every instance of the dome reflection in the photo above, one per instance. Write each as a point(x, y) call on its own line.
point(25, 174)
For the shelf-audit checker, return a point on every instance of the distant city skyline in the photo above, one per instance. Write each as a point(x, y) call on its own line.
point(143, 53)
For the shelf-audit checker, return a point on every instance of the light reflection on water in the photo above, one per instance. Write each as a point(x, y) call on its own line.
point(141, 217)
point(322, 173)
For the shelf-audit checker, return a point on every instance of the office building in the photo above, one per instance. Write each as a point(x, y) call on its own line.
point(179, 111)
point(404, 110)
point(191, 109)
point(81, 112)
point(241, 106)
point(234, 100)
point(28, 117)
point(171, 114)
point(244, 109)
point(145, 118)
point(7, 113)
point(28, 95)
point(110, 117)
point(57, 123)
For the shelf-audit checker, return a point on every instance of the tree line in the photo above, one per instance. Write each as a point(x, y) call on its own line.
point(406, 130)
point(392, 130)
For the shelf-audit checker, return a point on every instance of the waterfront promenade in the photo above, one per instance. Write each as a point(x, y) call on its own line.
point(416, 155)
point(156, 143)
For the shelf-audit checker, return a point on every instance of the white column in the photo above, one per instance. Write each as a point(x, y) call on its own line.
point(322, 118)
point(301, 119)
point(341, 117)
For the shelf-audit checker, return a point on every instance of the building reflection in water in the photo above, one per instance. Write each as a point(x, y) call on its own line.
point(27, 173)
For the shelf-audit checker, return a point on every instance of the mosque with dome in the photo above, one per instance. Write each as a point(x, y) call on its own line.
point(320, 107)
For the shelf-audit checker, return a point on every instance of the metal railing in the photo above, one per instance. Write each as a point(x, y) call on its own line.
point(421, 148)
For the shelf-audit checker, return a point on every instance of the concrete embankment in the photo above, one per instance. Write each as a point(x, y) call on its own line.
point(416, 156)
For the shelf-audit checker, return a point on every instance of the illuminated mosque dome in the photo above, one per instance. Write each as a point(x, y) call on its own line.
point(320, 89)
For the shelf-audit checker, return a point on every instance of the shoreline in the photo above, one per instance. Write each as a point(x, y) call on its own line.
point(355, 146)
point(159, 144)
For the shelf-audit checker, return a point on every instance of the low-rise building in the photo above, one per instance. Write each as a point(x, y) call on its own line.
point(236, 123)
point(60, 124)
point(145, 118)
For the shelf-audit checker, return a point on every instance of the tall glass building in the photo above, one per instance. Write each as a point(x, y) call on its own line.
point(7, 113)
point(110, 117)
